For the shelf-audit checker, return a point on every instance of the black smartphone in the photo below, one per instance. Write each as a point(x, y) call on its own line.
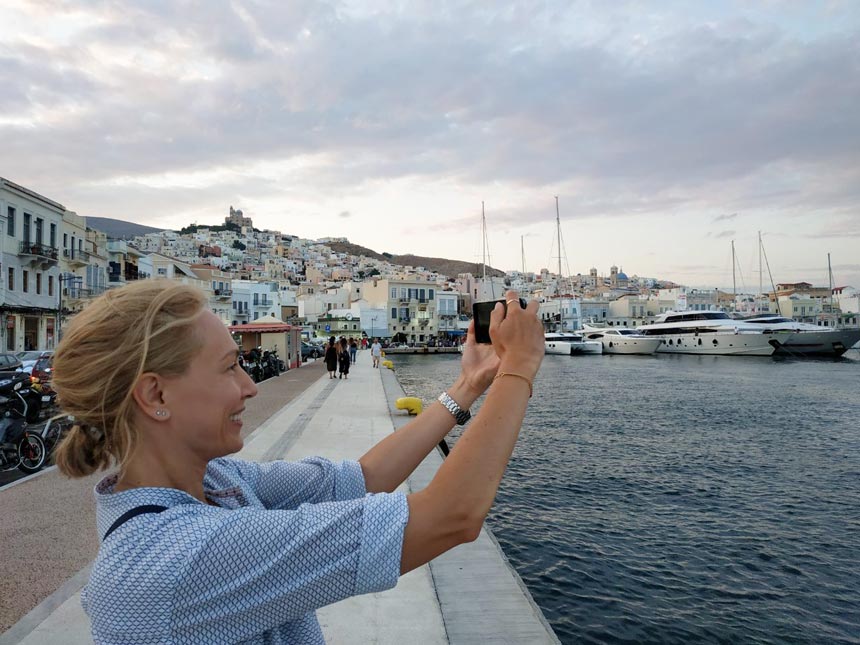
point(481, 315)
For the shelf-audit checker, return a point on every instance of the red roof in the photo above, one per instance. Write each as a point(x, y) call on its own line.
point(259, 328)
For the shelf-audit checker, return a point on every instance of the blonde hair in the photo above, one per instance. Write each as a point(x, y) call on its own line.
point(144, 327)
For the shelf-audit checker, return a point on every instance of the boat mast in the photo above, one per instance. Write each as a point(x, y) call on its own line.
point(734, 283)
point(558, 228)
point(558, 233)
point(484, 243)
point(830, 282)
point(523, 252)
point(760, 285)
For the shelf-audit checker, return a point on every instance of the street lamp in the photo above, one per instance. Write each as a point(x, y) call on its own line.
point(373, 326)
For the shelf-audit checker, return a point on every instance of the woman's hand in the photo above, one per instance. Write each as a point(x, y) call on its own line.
point(478, 365)
point(518, 336)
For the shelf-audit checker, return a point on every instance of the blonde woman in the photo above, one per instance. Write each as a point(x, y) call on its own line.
point(198, 547)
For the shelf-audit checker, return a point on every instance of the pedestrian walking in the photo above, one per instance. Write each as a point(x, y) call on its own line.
point(353, 349)
point(343, 359)
point(375, 352)
point(331, 357)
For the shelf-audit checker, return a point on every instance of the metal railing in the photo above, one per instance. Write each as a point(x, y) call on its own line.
point(34, 248)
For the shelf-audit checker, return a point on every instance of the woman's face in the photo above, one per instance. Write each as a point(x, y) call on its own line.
point(206, 403)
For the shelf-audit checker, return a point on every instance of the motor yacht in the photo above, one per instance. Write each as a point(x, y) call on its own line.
point(711, 332)
point(622, 340)
point(570, 344)
point(804, 339)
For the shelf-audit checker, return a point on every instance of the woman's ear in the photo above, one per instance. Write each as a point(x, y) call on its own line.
point(149, 395)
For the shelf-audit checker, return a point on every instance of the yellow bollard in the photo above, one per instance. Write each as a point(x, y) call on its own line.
point(411, 404)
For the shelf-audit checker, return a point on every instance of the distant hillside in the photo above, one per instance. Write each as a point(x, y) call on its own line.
point(442, 266)
point(117, 229)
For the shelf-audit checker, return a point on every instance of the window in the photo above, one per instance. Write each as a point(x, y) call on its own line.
point(65, 240)
point(38, 284)
point(431, 294)
point(26, 235)
point(11, 285)
point(25, 275)
point(393, 309)
point(53, 236)
point(50, 285)
point(10, 221)
point(162, 271)
point(40, 223)
point(393, 293)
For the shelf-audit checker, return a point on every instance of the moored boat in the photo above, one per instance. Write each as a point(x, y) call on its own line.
point(570, 344)
point(804, 339)
point(622, 340)
point(711, 332)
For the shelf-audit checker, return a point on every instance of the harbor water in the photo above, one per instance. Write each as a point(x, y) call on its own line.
point(679, 499)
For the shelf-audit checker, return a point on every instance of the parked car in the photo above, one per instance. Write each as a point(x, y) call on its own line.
point(310, 350)
point(9, 362)
point(31, 357)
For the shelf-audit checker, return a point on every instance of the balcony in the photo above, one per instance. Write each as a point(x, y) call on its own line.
point(76, 257)
point(39, 253)
point(130, 275)
point(225, 294)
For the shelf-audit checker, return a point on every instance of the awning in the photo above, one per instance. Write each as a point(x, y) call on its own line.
point(250, 328)
point(454, 332)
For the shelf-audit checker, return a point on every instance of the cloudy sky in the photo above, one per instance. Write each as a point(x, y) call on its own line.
point(667, 128)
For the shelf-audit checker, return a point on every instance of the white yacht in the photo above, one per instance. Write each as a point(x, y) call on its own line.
point(711, 332)
point(621, 340)
point(570, 344)
point(804, 339)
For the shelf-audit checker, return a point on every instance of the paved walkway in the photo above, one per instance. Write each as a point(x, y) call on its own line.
point(469, 595)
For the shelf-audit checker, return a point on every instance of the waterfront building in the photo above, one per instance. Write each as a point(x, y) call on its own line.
point(411, 304)
point(252, 300)
point(83, 266)
point(30, 226)
point(219, 286)
point(123, 263)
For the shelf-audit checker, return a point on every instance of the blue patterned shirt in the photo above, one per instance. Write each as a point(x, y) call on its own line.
point(283, 540)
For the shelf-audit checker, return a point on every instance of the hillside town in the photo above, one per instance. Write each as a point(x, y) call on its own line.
point(53, 264)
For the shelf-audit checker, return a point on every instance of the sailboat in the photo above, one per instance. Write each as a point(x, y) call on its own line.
point(567, 341)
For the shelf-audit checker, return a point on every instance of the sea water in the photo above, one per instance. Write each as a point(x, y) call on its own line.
point(680, 499)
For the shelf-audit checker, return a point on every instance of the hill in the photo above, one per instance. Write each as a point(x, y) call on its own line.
point(442, 266)
point(118, 229)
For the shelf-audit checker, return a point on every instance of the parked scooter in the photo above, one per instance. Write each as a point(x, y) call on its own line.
point(19, 447)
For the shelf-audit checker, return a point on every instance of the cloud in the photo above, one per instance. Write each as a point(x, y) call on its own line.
point(132, 109)
point(344, 214)
point(721, 235)
point(725, 217)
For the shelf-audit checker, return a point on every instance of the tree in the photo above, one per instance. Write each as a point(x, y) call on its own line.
point(238, 245)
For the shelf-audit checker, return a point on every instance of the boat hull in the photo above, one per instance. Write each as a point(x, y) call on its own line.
point(627, 345)
point(818, 343)
point(718, 344)
point(566, 348)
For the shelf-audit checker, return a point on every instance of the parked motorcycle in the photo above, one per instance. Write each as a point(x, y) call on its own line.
point(270, 365)
point(19, 447)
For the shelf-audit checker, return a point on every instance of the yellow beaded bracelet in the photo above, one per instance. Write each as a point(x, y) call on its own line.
point(525, 378)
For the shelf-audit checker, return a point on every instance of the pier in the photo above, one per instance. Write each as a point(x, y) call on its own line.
point(469, 595)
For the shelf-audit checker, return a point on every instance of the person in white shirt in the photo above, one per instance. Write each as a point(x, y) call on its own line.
point(376, 352)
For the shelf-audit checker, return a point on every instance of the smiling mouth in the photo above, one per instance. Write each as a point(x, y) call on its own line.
point(236, 418)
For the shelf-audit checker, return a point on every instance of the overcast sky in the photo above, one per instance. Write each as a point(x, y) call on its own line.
point(667, 129)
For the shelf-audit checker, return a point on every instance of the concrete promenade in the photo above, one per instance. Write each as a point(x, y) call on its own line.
point(469, 595)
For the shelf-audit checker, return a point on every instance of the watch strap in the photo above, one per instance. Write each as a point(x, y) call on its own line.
point(460, 415)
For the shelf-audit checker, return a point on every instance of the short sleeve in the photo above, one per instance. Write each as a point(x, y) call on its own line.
point(285, 485)
point(257, 569)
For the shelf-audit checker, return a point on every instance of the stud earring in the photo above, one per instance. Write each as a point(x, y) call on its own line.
point(161, 413)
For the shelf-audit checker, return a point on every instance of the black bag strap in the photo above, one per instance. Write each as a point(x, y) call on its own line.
point(134, 512)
